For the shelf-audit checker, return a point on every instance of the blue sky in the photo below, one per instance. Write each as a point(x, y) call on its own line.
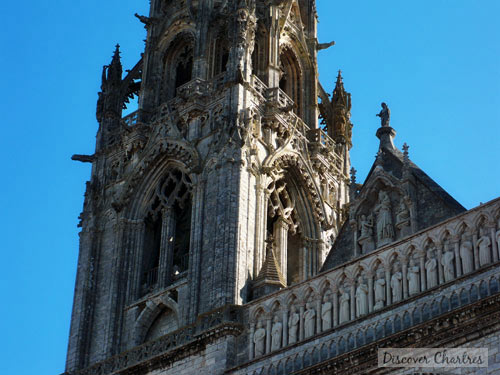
point(436, 63)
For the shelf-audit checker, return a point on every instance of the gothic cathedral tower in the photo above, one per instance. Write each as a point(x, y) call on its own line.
point(221, 187)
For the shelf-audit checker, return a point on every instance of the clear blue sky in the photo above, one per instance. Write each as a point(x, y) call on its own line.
point(435, 62)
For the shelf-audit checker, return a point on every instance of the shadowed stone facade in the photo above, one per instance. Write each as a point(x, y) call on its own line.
point(222, 234)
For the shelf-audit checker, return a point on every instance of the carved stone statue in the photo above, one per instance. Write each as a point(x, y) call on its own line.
point(379, 290)
point(293, 325)
point(413, 278)
point(361, 298)
point(403, 219)
point(344, 315)
point(431, 270)
point(466, 251)
point(484, 245)
point(276, 334)
point(385, 230)
point(385, 115)
point(326, 313)
point(366, 237)
point(448, 264)
point(396, 285)
point(309, 321)
point(259, 339)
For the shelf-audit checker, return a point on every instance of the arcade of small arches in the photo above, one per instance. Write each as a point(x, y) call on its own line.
point(378, 280)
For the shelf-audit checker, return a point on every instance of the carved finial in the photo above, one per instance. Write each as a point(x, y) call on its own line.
point(353, 175)
point(405, 152)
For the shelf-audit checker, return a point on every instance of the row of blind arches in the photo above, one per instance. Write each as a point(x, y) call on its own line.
point(421, 313)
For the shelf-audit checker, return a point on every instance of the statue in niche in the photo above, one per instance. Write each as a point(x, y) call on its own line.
point(366, 237)
point(431, 270)
point(276, 334)
point(413, 278)
point(326, 313)
point(361, 298)
point(385, 115)
point(484, 245)
point(466, 255)
point(396, 284)
point(385, 230)
point(380, 289)
point(447, 262)
point(309, 321)
point(293, 325)
point(344, 315)
point(403, 219)
point(259, 339)
point(497, 236)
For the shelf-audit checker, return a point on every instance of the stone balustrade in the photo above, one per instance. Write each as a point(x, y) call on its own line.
point(415, 266)
point(131, 119)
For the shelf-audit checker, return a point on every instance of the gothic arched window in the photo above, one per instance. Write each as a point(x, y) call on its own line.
point(167, 232)
point(290, 79)
point(177, 65)
point(219, 56)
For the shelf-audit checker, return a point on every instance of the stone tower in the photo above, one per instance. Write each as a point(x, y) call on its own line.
point(221, 187)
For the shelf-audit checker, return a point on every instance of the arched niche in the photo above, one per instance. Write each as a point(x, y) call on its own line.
point(291, 78)
point(177, 65)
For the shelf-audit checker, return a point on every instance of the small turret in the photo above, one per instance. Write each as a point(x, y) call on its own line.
point(341, 106)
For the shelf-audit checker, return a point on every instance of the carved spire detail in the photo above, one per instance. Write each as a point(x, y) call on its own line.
point(341, 105)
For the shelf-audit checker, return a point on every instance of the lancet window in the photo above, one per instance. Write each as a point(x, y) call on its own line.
point(219, 56)
point(285, 228)
point(290, 78)
point(177, 65)
point(167, 232)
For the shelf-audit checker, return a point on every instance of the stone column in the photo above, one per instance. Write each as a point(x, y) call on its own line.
point(476, 252)
point(458, 260)
point(301, 323)
point(166, 247)
point(494, 245)
point(404, 262)
point(268, 334)
point(285, 328)
point(335, 307)
point(423, 274)
point(439, 254)
point(370, 275)
point(318, 315)
point(138, 248)
point(281, 242)
point(388, 294)
point(251, 353)
point(260, 219)
point(354, 226)
point(353, 299)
